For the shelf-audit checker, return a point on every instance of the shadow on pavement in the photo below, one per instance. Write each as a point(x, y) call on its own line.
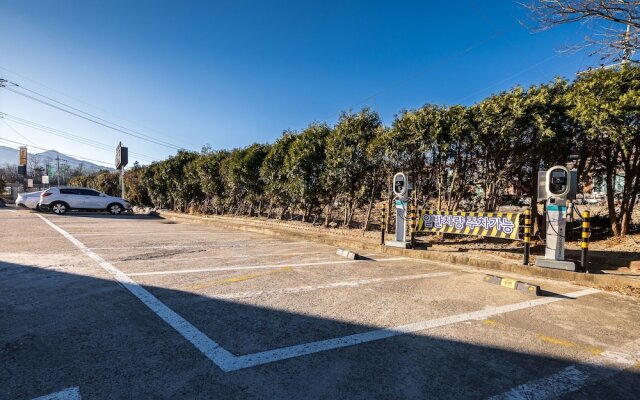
point(105, 215)
point(60, 330)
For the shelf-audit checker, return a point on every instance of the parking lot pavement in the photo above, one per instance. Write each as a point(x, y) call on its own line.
point(96, 306)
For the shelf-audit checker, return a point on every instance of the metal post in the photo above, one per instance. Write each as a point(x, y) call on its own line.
point(383, 220)
point(586, 232)
point(122, 180)
point(413, 226)
point(58, 170)
point(527, 236)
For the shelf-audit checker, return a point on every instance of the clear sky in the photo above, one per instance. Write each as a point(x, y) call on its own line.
point(232, 73)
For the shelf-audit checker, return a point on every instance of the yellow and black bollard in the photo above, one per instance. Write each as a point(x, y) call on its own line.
point(586, 232)
point(383, 221)
point(412, 226)
point(527, 236)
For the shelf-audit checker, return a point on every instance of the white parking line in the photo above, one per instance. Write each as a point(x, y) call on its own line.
point(202, 342)
point(335, 285)
point(574, 377)
point(204, 246)
point(229, 362)
point(72, 393)
point(241, 267)
point(176, 233)
point(265, 357)
point(7, 210)
point(182, 259)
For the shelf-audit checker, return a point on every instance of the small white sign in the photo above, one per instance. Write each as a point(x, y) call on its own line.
point(45, 179)
point(30, 183)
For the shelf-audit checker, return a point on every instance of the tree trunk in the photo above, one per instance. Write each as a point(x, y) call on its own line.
point(346, 213)
point(306, 214)
point(613, 218)
point(449, 190)
point(368, 214)
point(329, 212)
point(626, 222)
point(269, 210)
point(439, 183)
point(631, 186)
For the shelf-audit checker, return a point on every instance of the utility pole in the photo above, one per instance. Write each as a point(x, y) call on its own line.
point(58, 169)
point(58, 159)
point(627, 52)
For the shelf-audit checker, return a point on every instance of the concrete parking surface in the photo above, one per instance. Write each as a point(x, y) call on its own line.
point(100, 306)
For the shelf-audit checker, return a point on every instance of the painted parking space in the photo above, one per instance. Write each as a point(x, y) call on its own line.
point(377, 305)
point(292, 321)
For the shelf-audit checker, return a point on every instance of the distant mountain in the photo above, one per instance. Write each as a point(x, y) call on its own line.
point(10, 156)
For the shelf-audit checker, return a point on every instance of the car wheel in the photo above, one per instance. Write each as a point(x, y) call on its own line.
point(38, 207)
point(115, 209)
point(59, 208)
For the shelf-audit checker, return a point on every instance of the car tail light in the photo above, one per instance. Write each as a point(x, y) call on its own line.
point(45, 194)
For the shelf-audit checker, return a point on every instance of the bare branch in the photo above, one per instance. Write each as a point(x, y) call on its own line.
point(615, 23)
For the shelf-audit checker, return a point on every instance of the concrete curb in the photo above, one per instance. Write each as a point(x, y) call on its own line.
point(245, 224)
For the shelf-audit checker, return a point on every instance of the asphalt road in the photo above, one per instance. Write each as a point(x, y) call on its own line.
point(100, 307)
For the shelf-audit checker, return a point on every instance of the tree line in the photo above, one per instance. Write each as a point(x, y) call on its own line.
point(458, 157)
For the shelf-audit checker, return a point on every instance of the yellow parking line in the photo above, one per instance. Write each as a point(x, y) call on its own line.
point(553, 340)
point(596, 351)
point(235, 279)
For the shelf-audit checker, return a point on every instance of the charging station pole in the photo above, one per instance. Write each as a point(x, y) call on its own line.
point(401, 189)
point(560, 185)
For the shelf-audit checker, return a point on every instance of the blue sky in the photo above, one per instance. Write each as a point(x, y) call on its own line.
point(233, 73)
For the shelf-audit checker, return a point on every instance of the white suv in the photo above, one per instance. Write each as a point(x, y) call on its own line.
point(59, 200)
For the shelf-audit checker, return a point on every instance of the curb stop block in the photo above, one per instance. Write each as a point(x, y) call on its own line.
point(346, 253)
point(513, 284)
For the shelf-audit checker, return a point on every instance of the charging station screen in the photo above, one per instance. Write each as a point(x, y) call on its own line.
point(558, 177)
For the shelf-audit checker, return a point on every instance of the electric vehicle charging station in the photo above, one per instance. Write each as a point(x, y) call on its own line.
point(401, 188)
point(555, 187)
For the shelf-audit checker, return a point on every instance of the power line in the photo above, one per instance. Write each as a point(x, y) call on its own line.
point(95, 121)
point(432, 66)
point(43, 149)
point(16, 132)
point(38, 83)
point(91, 115)
point(530, 67)
point(66, 135)
point(13, 142)
point(150, 138)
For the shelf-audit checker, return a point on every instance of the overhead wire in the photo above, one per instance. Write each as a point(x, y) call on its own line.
point(67, 154)
point(432, 66)
point(530, 67)
point(67, 135)
point(13, 142)
point(41, 84)
point(89, 114)
point(16, 132)
point(95, 121)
